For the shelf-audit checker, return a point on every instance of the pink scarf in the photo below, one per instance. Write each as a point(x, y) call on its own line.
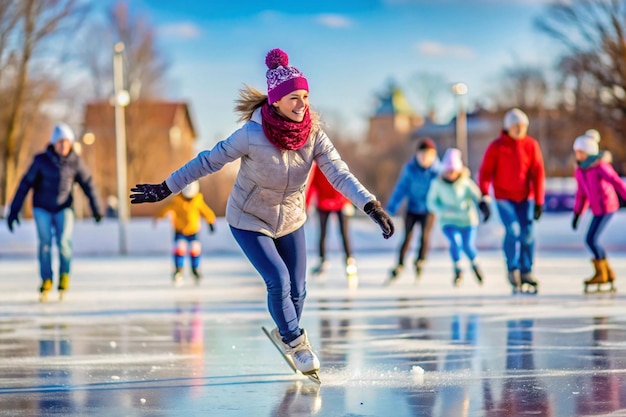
point(283, 133)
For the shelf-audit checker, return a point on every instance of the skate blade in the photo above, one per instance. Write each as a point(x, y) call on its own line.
point(61, 295)
point(43, 298)
point(313, 376)
point(353, 282)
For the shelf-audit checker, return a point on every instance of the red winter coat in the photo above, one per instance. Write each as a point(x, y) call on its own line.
point(515, 168)
point(328, 198)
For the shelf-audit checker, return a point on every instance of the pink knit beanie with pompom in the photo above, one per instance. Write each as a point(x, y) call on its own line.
point(282, 79)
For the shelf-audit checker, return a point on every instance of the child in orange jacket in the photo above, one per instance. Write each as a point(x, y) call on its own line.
point(187, 208)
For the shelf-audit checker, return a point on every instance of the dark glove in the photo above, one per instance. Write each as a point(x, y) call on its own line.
point(484, 209)
point(98, 218)
point(538, 211)
point(211, 228)
point(575, 221)
point(149, 193)
point(12, 219)
point(382, 219)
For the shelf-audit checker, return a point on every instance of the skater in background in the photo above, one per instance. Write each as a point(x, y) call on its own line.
point(329, 201)
point(513, 165)
point(454, 197)
point(598, 186)
point(51, 176)
point(186, 210)
point(413, 185)
point(277, 145)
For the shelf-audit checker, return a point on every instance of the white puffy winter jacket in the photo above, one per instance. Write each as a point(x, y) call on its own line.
point(268, 195)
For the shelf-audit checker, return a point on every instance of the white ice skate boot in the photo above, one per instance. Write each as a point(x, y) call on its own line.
point(300, 352)
point(351, 272)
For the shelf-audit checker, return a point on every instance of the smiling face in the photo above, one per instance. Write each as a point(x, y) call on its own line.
point(294, 105)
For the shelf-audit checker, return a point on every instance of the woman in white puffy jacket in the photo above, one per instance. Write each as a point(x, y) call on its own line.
point(277, 145)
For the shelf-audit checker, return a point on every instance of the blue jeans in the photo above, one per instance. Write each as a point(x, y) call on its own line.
point(186, 244)
point(597, 225)
point(468, 241)
point(282, 265)
point(61, 225)
point(519, 242)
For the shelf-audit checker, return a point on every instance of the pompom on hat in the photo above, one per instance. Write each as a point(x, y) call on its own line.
point(452, 160)
point(62, 131)
point(515, 117)
point(588, 143)
point(282, 79)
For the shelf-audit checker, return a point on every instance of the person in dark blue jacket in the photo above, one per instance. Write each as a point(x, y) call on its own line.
point(52, 175)
point(413, 185)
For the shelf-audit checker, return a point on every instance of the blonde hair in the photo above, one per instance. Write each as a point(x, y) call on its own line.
point(251, 99)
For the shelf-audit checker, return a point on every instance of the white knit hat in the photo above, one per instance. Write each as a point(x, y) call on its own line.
point(588, 143)
point(452, 160)
point(191, 189)
point(515, 117)
point(61, 131)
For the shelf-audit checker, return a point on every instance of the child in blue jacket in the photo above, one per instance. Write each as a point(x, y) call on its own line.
point(413, 185)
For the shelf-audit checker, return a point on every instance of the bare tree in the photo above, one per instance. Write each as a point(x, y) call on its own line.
point(593, 32)
point(524, 87)
point(28, 23)
point(145, 66)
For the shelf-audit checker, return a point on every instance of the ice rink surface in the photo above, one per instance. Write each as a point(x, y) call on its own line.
point(125, 342)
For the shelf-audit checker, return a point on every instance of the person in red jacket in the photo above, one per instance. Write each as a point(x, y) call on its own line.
point(513, 166)
point(330, 201)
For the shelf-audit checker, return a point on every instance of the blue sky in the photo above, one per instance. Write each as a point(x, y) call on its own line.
point(348, 50)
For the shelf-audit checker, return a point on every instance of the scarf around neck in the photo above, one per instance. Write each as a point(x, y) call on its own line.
point(283, 133)
point(591, 159)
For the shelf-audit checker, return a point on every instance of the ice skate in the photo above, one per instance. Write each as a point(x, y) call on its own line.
point(178, 277)
point(528, 284)
point(609, 271)
point(478, 273)
point(394, 274)
point(300, 352)
point(320, 268)
point(419, 265)
point(515, 280)
point(458, 277)
point(600, 277)
point(46, 286)
point(64, 284)
point(196, 275)
point(351, 273)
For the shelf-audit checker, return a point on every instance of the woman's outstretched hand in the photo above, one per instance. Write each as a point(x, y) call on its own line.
point(149, 193)
point(382, 219)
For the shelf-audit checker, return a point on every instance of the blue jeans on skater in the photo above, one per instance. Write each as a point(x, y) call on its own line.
point(596, 227)
point(184, 244)
point(282, 265)
point(61, 225)
point(519, 242)
point(467, 237)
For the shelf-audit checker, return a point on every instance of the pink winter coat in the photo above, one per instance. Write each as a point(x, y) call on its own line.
point(598, 186)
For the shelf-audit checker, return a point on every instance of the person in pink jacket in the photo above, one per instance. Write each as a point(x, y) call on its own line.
point(598, 186)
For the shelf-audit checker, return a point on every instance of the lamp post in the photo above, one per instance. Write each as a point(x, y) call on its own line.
point(459, 90)
point(120, 101)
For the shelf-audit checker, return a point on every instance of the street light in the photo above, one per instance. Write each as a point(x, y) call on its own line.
point(459, 90)
point(120, 101)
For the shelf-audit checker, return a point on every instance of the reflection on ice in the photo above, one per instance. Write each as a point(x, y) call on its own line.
point(145, 348)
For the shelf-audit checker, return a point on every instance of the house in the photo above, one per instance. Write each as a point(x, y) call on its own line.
point(160, 137)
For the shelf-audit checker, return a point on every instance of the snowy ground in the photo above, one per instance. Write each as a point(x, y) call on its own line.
point(124, 342)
